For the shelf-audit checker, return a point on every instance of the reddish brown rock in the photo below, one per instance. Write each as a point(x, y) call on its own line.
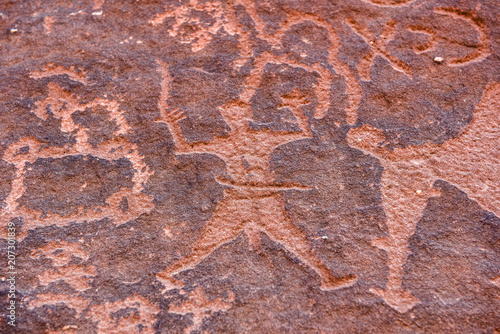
point(251, 166)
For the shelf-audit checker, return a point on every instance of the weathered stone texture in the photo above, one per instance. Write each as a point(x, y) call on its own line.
point(251, 166)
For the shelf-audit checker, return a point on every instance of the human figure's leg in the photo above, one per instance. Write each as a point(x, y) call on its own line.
point(225, 225)
point(405, 191)
point(280, 228)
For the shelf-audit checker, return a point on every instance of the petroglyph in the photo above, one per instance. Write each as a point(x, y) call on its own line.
point(228, 21)
point(74, 301)
point(252, 203)
point(482, 49)
point(201, 307)
point(188, 27)
point(65, 267)
point(133, 315)
point(61, 253)
point(192, 166)
point(52, 70)
point(469, 161)
point(390, 3)
point(27, 150)
point(294, 20)
point(353, 89)
point(378, 47)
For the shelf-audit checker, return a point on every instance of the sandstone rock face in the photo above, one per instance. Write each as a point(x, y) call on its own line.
point(250, 166)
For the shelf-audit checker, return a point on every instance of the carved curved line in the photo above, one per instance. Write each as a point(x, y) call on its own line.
point(483, 49)
point(431, 42)
point(53, 70)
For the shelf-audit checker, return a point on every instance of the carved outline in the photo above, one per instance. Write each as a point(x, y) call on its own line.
point(225, 224)
point(378, 47)
point(63, 105)
point(405, 197)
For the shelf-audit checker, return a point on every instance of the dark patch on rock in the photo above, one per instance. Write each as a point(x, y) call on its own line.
point(454, 265)
point(99, 128)
point(62, 185)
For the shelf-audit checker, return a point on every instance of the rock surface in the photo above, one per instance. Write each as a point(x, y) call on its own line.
point(251, 166)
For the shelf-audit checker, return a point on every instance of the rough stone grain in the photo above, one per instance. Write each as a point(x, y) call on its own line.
point(251, 166)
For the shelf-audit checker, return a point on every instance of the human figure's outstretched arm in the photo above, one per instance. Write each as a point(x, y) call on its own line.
point(172, 118)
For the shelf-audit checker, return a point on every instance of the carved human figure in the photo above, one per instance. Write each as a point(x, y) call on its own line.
point(252, 202)
point(227, 20)
point(469, 161)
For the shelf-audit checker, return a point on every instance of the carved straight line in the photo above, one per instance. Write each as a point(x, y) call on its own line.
point(389, 3)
